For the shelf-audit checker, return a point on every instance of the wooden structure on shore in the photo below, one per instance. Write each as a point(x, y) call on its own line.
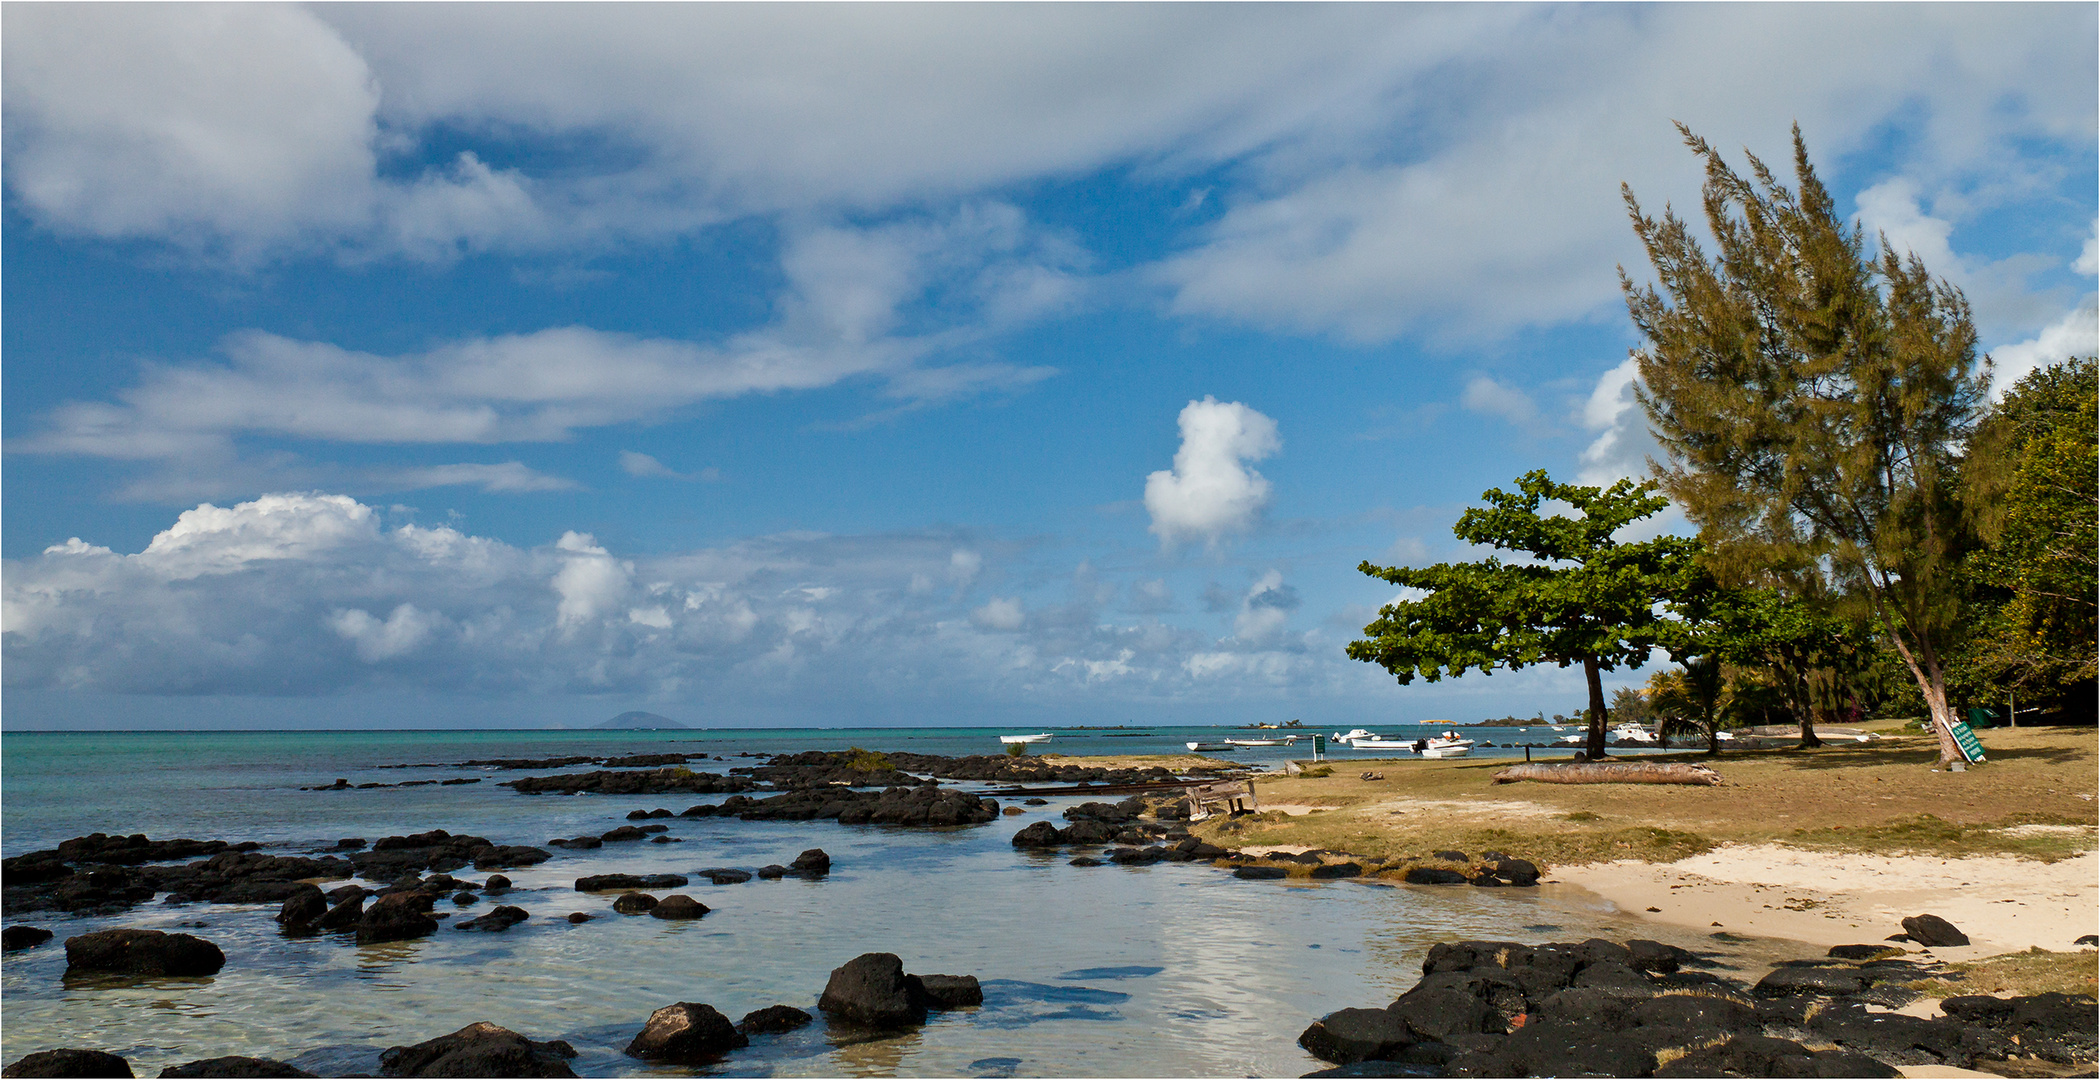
point(1220, 797)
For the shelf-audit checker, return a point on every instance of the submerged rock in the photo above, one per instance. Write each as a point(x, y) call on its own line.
point(498, 919)
point(397, 917)
point(480, 1049)
point(234, 1066)
point(773, 1018)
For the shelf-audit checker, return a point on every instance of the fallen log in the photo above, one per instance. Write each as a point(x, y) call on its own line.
point(1611, 772)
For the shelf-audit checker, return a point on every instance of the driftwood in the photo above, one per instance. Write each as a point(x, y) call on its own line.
point(1610, 772)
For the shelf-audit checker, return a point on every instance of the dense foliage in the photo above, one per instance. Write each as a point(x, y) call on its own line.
point(1813, 403)
point(1580, 596)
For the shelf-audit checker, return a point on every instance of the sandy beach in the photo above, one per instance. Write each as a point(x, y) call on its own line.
point(2003, 904)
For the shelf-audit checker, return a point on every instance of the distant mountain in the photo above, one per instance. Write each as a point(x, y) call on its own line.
point(640, 719)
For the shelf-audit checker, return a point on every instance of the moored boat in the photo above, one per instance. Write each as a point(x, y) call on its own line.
point(1024, 740)
point(1211, 747)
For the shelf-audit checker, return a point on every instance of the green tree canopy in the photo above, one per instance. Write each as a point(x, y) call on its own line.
point(1579, 597)
point(2031, 476)
point(1812, 401)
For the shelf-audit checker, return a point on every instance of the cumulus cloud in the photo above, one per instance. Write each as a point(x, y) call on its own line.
point(2076, 334)
point(313, 594)
point(1210, 491)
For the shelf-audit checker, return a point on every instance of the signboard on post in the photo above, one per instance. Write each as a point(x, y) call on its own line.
point(1319, 747)
point(1966, 739)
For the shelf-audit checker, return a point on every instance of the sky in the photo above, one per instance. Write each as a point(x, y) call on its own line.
point(489, 365)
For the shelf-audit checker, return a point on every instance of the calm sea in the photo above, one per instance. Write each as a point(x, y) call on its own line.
point(1167, 970)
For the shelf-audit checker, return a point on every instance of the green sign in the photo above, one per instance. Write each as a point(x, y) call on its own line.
point(1966, 739)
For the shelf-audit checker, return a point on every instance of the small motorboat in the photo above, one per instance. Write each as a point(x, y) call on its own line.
point(1633, 733)
point(1445, 751)
point(1374, 742)
point(1211, 747)
point(1288, 740)
point(1449, 740)
point(1354, 734)
point(1024, 740)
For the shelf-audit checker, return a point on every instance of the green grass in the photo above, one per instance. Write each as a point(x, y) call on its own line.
point(1931, 835)
point(2036, 971)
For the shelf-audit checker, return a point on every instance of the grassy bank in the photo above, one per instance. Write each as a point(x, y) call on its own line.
point(2035, 798)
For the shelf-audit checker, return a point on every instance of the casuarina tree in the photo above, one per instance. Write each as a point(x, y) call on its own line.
point(1577, 595)
point(1813, 402)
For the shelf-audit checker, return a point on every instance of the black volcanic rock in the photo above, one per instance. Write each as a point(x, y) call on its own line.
point(480, 1049)
point(143, 952)
point(234, 1066)
point(686, 1033)
point(872, 990)
point(773, 1018)
point(69, 1062)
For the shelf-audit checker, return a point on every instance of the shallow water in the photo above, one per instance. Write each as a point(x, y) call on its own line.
point(1168, 970)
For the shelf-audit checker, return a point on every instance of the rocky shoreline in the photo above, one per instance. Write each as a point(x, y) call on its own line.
point(868, 996)
point(1641, 1008)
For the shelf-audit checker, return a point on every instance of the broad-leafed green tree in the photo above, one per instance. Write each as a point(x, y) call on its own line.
point(2031, 480)
point(1812, 402)
point(1577, 596)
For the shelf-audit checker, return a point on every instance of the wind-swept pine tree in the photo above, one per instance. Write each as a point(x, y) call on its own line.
point(1812, 401)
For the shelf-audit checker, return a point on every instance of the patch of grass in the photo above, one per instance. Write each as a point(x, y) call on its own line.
point(1580, 815)
point(1929, 834)
point(2036, 971)
point(860, 760)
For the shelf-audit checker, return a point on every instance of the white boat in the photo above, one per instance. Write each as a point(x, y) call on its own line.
point(1288, 740)
point(1211, 747)
point(1445, 751)
point(1376, 743)
point(1354, 734)
point(1631, 733)
point(1450, 740)
point(1024, 740)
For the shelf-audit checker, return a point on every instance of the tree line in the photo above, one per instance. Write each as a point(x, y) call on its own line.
point(1875, 536)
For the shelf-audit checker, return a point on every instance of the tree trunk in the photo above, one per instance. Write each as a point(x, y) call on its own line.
point(1932, 686)
point(1595, 747)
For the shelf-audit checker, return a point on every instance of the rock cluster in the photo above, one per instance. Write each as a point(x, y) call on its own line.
point(872, 990)
point(632, 782)
point(440, 851)
point(234, 1066)
point(102, 875)
point(1598, 1008)
point(924, 805)
point(69, 1062)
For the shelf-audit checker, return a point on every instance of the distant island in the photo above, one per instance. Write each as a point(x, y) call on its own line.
point(639, 719)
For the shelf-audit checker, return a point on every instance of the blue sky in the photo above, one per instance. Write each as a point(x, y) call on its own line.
point(519, 365)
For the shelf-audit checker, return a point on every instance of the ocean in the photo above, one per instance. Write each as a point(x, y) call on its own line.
point(1162, 970)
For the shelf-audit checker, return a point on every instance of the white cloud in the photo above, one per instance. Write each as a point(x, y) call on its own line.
point(1624, 442)
point(591, 583)
point(506, 476)
point(2076, 334)
point(1210, 491)
point(306, 594)
point(1485, 395)
point(1265, 609)
point(376, 640)
point(999, 613)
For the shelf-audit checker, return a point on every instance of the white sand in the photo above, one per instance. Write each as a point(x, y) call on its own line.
point(2003, 904)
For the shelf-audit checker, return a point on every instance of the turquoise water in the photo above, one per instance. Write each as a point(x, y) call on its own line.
point(1168, 970)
